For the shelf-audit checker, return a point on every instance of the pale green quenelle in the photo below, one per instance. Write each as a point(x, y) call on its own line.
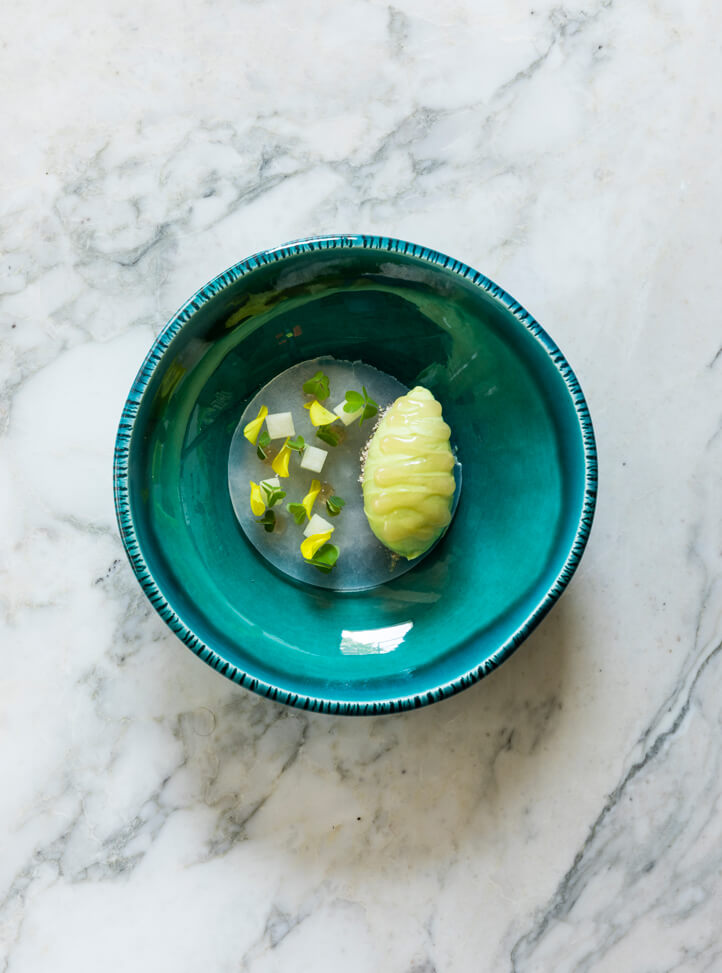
point(408, 478)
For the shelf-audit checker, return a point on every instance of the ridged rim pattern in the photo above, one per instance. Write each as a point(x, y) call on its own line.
point(176, 623)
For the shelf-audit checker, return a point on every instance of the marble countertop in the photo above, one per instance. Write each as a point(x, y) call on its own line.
point(564, 814)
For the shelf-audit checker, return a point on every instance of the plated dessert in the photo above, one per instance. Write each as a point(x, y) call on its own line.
point(342, 477)
point(358, 638)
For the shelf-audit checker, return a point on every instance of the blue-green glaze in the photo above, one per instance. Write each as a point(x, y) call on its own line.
point(524, 436)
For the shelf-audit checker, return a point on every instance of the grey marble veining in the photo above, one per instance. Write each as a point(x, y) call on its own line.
point(564, 815)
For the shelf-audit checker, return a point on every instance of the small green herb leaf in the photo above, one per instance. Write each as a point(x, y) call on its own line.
point(268, 520)
point(318, 386)
point(370, 407)
point(354, 401)
point(297, 511)
point(272, 494)
point(264, 441)
point(334, 505)
point(357, 400)
point(297, 443)
point(325, 558)
point(327, 435)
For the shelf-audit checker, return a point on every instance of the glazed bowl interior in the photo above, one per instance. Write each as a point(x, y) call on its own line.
point(507, 394)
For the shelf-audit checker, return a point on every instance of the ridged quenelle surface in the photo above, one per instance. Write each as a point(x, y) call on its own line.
point(408, 482)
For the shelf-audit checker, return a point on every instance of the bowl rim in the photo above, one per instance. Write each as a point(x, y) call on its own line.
point(175, 622)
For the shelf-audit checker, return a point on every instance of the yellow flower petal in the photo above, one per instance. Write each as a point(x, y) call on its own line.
point(258, 505)
point(252, 429)
point(280, 463)
point(314, 543)
point(310, 498)
point(319, 415)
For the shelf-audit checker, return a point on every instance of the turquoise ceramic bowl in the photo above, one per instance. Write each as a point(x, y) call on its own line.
point(524, 437)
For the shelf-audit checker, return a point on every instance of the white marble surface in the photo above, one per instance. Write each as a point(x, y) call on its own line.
point(565, 814)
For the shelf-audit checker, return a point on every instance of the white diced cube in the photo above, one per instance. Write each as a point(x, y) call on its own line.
point(347, 417)
point(280, 425)
point(273, 483)
point(317, 525)
point(313, 459)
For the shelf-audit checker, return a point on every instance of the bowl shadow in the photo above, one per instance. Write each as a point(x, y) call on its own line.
point(344, 794)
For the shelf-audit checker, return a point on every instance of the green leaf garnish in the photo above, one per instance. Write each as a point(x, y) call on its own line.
point(272, 494)
point(334, 505)
point(327, 435)
point(297, 511)
point(264, 441)
point(268, 520)
point(325, 558)
point(318, 386)
point(297, 443)
point(357, 400)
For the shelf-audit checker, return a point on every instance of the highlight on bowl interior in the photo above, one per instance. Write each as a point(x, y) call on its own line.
point(341, 476)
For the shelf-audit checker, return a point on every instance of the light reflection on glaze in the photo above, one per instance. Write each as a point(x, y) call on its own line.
point(375, 641)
